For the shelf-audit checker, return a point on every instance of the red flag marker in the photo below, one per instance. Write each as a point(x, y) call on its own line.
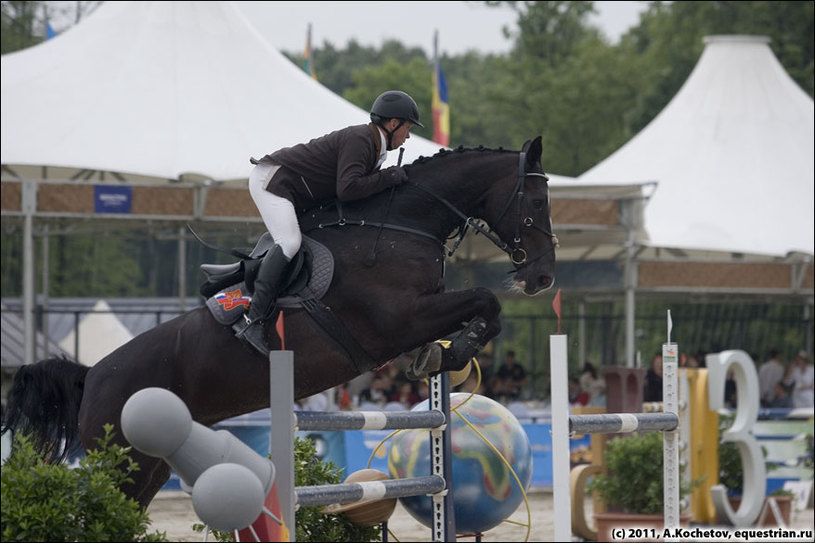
point(280, 331)
point(556, 307)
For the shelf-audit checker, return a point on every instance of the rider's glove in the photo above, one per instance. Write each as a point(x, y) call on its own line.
point(395, 175)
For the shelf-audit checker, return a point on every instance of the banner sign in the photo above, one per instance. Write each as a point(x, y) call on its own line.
point(112, 199)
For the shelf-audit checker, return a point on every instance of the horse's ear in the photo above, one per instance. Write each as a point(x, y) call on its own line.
point(534, 150)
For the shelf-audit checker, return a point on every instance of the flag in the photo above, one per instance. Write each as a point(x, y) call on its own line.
point(49, 31)
point(308, 67)
point(441, 106)
point(556, 307)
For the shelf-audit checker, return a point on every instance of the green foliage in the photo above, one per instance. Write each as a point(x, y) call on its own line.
point(311, 524)
point(52, 502)
point(635, 475)
point(731, 472)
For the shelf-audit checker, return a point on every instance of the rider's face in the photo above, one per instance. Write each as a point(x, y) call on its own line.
point(401, 134)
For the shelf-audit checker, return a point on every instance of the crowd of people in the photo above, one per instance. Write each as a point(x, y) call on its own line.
point(790, 385)
point(781, 385)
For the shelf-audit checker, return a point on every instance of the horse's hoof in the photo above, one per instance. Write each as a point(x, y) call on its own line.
point(428, 361)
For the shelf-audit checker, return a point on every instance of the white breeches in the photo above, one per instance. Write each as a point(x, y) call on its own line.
point(277, 212)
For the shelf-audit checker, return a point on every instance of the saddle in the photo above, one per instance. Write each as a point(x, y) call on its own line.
point(228, 289)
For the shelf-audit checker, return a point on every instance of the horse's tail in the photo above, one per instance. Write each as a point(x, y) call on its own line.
point(44, 404)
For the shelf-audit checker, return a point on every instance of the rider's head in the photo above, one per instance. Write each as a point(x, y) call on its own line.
point(394, 110)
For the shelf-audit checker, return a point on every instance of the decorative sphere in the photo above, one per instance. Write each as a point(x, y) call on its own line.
point(369, 513)
point(228, 497)
point(156, 421)
point(484, 490)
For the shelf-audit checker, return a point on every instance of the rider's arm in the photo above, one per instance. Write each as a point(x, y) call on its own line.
point(355, 159)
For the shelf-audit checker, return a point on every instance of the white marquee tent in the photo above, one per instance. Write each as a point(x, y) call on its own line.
point(732, 156)
point(165, 89)
point(100, 333)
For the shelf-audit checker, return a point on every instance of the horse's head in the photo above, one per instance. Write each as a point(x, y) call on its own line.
point(518, 211)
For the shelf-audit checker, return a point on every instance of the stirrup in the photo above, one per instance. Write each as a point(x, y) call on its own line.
point(255, 339)
point(247, 324)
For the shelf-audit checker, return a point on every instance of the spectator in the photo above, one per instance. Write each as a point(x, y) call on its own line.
point(422, 390)
point(405, 394)
point(652, 391)
point(485, 362)
point(801, 377)
point(781, 396)
point(379, 392)
point(511, 377)
point(593, 385)
point(769, 373)
point(577, 396)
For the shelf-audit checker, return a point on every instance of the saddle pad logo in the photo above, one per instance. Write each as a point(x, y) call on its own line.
point(229, 300)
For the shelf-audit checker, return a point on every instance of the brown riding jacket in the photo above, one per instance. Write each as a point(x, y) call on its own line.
point(340, 165)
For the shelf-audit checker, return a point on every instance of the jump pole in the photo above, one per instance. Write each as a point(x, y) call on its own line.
point(562, 508)
point(281, 442)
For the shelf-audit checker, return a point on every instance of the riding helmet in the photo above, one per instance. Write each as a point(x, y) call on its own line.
point(395, 105)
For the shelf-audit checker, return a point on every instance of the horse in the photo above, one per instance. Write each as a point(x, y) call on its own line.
point(387, 290)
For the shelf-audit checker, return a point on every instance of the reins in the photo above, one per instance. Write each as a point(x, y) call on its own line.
point(515, 251)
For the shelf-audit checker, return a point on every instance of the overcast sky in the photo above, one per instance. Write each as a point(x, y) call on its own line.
point(462, 26)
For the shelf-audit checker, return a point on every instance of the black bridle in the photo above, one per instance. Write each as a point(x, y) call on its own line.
point(517, 254)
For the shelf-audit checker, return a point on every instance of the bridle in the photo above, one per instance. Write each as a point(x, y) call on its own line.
point(517, 254)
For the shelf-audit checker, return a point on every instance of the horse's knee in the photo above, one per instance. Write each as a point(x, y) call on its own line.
point(488, 304)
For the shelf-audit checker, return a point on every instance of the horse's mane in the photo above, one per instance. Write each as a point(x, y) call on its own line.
point(458, 151)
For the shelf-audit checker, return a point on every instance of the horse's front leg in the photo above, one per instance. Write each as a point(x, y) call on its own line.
point(472, 313)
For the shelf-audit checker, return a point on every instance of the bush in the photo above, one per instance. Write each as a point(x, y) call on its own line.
point(635, 475)
point(311, 523)
point(731, 472)
point(52, 502)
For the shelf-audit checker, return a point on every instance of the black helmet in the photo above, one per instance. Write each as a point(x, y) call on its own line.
point(395, 105)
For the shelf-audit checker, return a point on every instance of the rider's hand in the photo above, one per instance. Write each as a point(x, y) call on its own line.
point(395, 175)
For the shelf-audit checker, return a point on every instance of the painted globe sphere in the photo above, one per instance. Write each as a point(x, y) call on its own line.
point(484, 489)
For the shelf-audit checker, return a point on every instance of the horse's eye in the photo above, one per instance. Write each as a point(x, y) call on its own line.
point(537, 203)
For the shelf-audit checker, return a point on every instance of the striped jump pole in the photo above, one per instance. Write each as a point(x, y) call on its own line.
point(622, 423)
point(370, 490)
point(368, 420)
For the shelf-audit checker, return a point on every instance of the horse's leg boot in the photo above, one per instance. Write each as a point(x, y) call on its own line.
point(464, 346)
point(433, 358)
point(264, 297)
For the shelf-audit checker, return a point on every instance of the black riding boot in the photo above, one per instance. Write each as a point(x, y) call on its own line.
point(267, 284)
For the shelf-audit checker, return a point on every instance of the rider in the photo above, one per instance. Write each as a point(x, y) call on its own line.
point(344, 164)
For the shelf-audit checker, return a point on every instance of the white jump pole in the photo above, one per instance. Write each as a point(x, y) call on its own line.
point(670, 438)
point(562, 507)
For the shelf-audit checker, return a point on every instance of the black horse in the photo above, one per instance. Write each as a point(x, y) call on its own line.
point(387, 290)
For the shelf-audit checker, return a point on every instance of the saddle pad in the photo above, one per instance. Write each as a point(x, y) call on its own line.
point(229, 305)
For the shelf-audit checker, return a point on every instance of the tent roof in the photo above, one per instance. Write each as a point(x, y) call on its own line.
point(165, 89)
point(100, 333)
point(731, 155)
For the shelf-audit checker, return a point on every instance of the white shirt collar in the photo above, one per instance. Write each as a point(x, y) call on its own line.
point(383, 153)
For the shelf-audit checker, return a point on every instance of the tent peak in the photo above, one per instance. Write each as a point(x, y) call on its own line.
point(735, 38)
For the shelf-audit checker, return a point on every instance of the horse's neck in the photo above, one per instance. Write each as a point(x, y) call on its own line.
point(464, 181)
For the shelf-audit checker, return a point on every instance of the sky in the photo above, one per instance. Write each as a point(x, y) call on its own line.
point(462, 26)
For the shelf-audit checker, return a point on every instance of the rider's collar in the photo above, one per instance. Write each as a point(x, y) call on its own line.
point(383, 147)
